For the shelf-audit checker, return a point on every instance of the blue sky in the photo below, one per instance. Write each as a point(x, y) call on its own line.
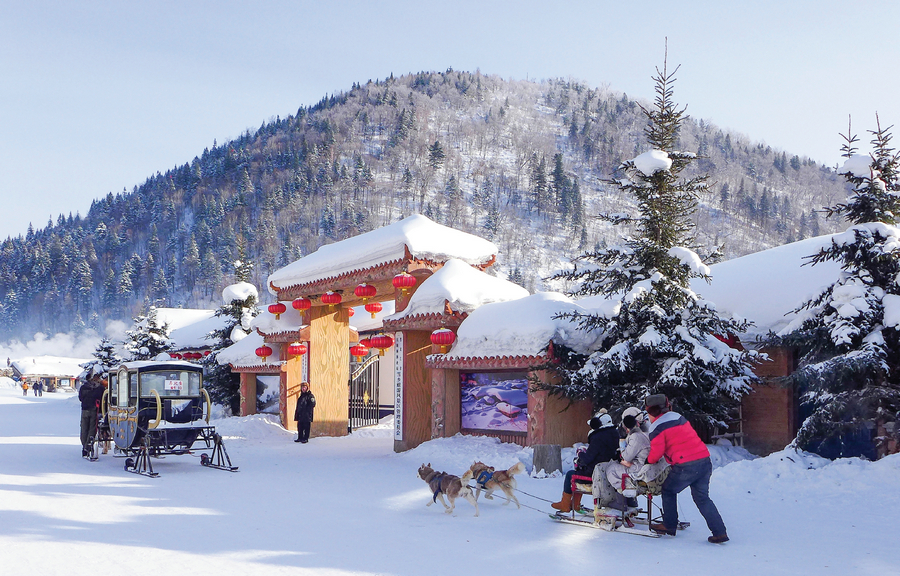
point(97, 96)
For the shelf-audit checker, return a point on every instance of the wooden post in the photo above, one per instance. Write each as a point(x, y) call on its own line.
point(329, 370)
point(248, 394)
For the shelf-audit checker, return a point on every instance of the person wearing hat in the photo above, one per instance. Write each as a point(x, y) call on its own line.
point(90, 394)
point(672, 437)
point(633, 457)
point(603, 441)
point(303, 412)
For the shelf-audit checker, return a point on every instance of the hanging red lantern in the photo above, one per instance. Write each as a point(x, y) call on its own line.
point(365, 342)
point(191, 355)
point(331, 298)
point(277, 309)
point(373, 308)
point(264, 352)
point(351, 312)
point(302, 304)
point(382, 342)
point(365, 291)
point(404, 282)
point(207, 352)
point(443, 337)
point(359, 351)
point(297, 349)
point(177, 356)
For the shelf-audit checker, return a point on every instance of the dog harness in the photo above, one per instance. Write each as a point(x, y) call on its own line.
point(484, 478)
point(438, 478)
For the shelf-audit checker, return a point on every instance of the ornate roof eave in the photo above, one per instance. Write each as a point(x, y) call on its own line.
point(486, 362)
point(428, 321)
point(286, 337)
point(346, 281)
point(257, 368)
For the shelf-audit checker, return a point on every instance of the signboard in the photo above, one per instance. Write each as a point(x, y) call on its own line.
point(174, 385)
point(495, 401)
point(399, 357)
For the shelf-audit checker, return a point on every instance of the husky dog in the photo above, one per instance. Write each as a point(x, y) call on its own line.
point(441, 483)
point(486, 478)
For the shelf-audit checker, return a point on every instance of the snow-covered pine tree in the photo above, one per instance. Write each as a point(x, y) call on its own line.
point(147, 338)
point(663, 339)
point(105, 359)
point(239, 308)
point(849, 375)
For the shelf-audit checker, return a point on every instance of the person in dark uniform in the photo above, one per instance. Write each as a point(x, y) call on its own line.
point(90, 394)
point(303, 413)
point(603, 442)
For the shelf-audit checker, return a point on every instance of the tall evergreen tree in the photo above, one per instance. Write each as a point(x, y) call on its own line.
point(849, 375)
point(663, 337)
point(147, 337)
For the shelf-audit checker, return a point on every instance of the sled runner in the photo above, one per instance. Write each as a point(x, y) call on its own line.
point(156, 409)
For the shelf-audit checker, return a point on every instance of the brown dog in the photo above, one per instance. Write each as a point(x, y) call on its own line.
point(489, 480)
point(441, 484)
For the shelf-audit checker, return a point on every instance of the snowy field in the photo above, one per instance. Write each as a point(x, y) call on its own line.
point(351, 506)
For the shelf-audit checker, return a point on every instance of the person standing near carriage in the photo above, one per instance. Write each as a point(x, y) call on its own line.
point(673, 437)
point(90, 394)
point(303, 413)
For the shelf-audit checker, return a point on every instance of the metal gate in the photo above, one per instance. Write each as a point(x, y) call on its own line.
point(364, 394)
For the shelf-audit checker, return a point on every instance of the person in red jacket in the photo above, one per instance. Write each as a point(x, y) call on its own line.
point(673, 437)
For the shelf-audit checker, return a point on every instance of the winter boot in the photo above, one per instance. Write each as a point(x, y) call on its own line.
point(565, 504)
point(576, 501)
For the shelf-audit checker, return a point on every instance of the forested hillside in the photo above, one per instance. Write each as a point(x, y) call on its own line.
point(522, 163)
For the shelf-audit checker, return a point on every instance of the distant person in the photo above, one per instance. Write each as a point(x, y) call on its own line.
point(673, 437)
point(40, 388)
point(90, 394)
point(34, 388)
point(24, 387)
point(603, 442)
point(303, 413)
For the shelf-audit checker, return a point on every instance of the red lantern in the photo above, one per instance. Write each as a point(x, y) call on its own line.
point(207, 353)
point(365, 291)
point(404, 282)
point(382, 342)
point(444, 338)
point(177, 356)
point(264, 352)
point(359, 351)
point(297, 349)
point(302, 304)
point(277, 309)
point(331, 298)
point(350, 312)
point(373, 308)
point(365, 342)
point(190, 355)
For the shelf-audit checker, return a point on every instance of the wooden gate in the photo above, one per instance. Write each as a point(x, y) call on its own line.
point(364, 394)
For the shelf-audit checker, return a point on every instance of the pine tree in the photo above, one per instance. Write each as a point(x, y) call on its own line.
point(147, 338)
point(849, 375)
point(663, 339)
point(105, 359)
point(223, 385)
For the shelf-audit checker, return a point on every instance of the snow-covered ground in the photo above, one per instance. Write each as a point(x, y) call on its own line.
point(352, 506)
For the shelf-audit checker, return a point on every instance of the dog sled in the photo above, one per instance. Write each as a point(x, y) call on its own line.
point(626, 520)
point(156, 409)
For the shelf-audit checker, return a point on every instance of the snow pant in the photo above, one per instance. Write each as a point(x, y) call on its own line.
point(603, 489)
point(303, 430)
point(88, 426)
point(695, 474)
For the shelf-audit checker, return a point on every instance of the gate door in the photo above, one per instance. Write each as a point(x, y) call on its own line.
point(364, 394)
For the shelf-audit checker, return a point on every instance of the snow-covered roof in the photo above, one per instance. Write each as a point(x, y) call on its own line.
point(291, 320)
point(362, 321)
point(425, 240)
point(49, 366)
point(524, 327)
point(242, 354)
point(464, 289)
point(766, 286)
point(188, 327)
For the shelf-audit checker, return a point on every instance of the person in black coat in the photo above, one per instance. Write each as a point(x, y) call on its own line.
point(303, 413)
point(603, 442)
point(90, 394)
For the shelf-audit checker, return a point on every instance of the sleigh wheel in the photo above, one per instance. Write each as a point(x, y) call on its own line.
point(129, 463)
point(204, 460)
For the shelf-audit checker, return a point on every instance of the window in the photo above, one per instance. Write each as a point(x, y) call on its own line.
point(168, 383)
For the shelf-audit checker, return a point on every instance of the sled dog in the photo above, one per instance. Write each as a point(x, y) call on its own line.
point(442, 484)
point(488, 479)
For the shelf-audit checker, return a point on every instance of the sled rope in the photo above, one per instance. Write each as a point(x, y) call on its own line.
point(496, 496)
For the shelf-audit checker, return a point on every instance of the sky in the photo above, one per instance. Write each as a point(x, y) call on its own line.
point(95, 97)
